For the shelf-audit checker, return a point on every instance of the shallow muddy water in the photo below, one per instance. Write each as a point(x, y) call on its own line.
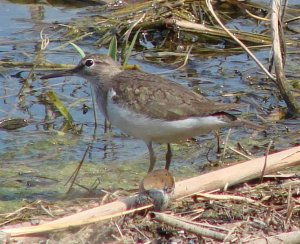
point(37, 160)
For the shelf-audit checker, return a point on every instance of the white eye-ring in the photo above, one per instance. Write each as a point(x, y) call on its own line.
point(89, 62)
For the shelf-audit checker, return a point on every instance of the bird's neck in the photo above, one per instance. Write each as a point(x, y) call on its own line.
point(101, 84)
point(104, 76)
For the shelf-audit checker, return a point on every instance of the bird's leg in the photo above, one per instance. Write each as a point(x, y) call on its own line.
point(152, 156)
point(168, 157)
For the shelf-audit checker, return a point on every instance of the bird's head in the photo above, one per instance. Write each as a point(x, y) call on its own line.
point(94, 68)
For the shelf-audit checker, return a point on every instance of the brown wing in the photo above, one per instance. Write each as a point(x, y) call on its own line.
point(161, 98)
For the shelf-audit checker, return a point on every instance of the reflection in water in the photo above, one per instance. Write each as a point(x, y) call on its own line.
point(37, 13)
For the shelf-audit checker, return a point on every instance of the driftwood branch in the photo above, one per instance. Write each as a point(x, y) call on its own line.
point(211, 181)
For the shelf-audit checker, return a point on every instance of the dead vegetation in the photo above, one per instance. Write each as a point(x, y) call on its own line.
point(241, 214)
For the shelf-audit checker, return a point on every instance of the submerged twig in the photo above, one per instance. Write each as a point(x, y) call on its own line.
point(256, 17)
point(76, 171)
point(187, 56)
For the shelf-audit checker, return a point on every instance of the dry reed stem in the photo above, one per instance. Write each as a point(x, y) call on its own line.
point(187, 226)
point(230, 197)
point(281, 80)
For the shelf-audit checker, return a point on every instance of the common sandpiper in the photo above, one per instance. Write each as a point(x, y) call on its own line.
point(150, 107)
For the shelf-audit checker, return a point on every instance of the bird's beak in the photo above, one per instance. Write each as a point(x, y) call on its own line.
point(69, 72)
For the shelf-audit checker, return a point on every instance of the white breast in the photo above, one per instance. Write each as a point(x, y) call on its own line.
point(148, 129)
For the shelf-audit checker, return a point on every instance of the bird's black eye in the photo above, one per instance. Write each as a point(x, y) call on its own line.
point(89, 62)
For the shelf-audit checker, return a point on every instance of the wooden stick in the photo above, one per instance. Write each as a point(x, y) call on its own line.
point(211, 181)
point(238, 173)
point(181, 223)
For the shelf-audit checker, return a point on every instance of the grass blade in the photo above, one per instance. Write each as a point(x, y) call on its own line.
point(129, 49)
point(78, 49)
point(60, 106)
point(113, 48)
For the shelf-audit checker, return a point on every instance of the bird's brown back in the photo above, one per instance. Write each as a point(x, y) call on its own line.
point(161, 98)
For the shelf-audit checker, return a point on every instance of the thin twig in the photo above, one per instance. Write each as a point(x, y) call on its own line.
point(292, 19)
point(238, 152)
point(208, 2)
point(229, 197)
point(120, 232)
point(266, 160)
point(76, 171)
point(256, 17)
point(187, 56)
point(290, 207)
point(228, 237)
point(225, 145)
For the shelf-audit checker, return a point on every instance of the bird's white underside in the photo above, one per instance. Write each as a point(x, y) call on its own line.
point(157, 130)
